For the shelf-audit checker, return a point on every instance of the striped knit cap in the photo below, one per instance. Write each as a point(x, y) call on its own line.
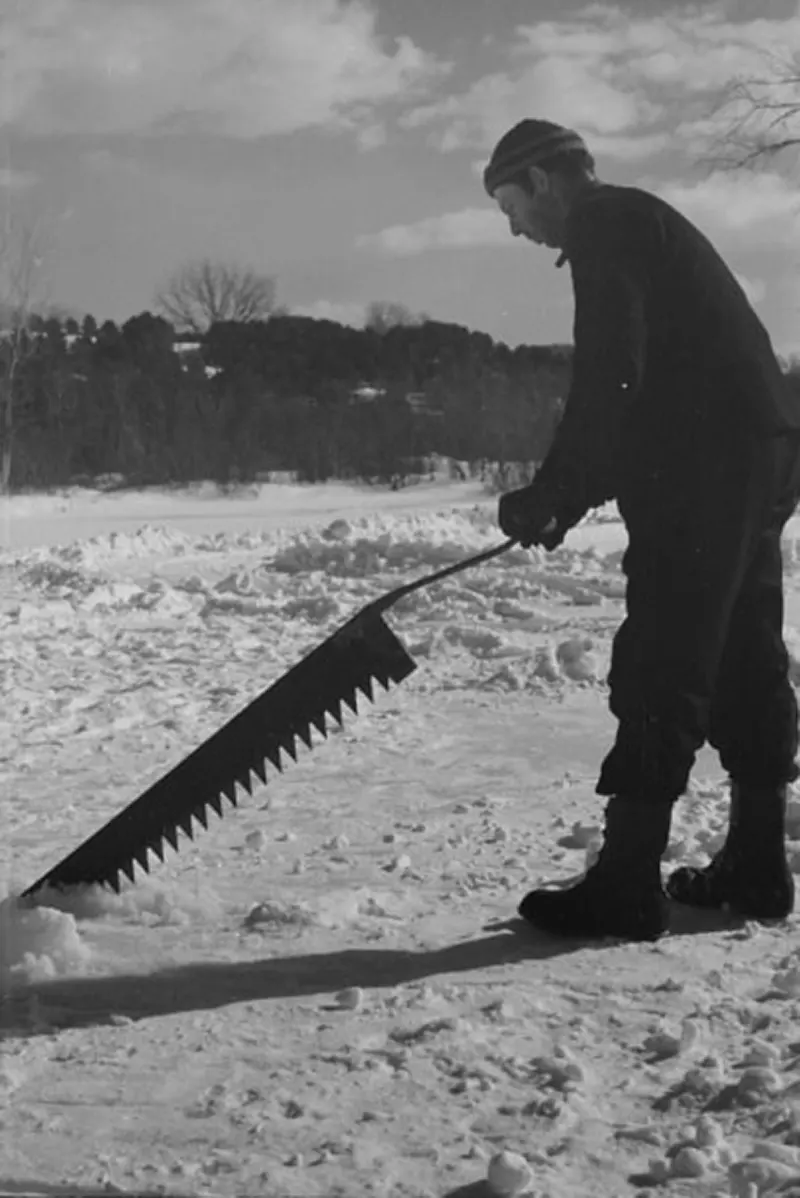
point(529, 143)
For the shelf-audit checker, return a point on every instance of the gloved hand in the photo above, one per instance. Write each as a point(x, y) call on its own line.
point(523, 516)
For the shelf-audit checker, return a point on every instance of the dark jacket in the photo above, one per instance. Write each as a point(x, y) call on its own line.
point(670, 360)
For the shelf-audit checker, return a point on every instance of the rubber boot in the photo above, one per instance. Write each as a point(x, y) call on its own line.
point(621, 895)
point(750, 873)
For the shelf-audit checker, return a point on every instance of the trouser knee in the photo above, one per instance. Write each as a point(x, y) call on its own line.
point(651, 760)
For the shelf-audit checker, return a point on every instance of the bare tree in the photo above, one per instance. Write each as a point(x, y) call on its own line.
point(21, 261)
point(757, 118)
point(202, 293)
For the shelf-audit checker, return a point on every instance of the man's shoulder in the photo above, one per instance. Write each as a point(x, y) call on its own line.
point(614, 216)
point(613, 203)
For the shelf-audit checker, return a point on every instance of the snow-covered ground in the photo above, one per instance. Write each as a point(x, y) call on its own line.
point(318, 997)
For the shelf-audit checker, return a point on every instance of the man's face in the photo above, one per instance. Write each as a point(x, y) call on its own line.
point(536, 213)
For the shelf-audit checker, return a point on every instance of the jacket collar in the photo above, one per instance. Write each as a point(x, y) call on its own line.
point(585, 197)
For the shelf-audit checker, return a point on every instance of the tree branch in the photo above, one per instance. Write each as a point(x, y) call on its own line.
point(203, 293)
point(757, 118)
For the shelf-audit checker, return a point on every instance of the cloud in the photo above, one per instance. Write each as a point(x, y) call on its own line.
point(106, 162)
point(754, 289)
point(634, 87)
point(13, 180)
point(468, 228)
point(340, 311)
point(241, 68)
point(372, 136)
point(631, 147)
point(763, 207)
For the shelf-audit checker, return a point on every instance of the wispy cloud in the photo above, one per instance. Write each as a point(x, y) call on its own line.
point(340, 311)
point(634, 87)
point(754, 289)
point(465, 229)
point(764, 207)
point(13, 180)
point(241, 68)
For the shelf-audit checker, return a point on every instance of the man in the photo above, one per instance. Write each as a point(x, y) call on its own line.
point(677, 409)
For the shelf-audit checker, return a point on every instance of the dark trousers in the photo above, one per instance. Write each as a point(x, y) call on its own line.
point(700, 656)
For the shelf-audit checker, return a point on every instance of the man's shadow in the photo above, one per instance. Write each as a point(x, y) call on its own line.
point(25, 1187)
point(206, 985)
point(28, 1188)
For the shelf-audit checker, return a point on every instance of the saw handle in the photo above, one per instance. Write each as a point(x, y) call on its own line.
point(389, 599)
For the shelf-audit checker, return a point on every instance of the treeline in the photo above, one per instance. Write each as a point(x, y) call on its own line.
point(287, 393)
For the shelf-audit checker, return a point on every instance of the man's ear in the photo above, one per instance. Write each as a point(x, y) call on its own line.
point(539, 180)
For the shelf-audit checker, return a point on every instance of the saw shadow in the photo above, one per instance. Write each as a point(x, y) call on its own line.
point(473, 1189)
point(38, 1008)
point(29, 1009)
point(25, 1187)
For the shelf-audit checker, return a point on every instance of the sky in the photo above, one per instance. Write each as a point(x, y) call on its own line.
point(337, 146)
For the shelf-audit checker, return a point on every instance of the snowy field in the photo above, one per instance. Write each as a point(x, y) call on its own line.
point(327, 995)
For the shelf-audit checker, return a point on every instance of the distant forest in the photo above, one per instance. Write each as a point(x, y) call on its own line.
point(246, 398)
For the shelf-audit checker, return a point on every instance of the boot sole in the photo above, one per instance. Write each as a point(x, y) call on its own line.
point(693, 888)
point(581, 923)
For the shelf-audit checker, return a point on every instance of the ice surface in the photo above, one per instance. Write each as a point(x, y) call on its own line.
point(131, 627)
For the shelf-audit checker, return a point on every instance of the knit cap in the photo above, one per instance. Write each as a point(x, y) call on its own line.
point(529, 143)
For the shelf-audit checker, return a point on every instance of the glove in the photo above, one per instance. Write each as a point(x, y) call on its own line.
point(525, 517)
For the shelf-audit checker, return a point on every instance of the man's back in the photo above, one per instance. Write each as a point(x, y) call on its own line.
point(705, 348)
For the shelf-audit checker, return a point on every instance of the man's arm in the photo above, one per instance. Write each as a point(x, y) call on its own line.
point(581, 470)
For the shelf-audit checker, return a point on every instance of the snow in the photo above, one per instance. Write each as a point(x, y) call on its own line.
point(269, 1011)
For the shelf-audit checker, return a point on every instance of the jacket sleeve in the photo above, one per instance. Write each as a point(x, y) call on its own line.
point(581, 471)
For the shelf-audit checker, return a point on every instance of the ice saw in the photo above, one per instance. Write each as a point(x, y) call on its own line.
point(359, 653)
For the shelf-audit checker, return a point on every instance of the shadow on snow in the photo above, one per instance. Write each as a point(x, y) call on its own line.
point(206, 985)
point(27, 1188)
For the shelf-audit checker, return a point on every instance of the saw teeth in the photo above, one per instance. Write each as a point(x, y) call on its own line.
point(200, 814)
point(304, 732)
point(244, 780)
point(265, 734)
point(288, 745)
point(273, 755)
point(318, 721)
point(185, 824)
point(384, 675)
point(143, 860)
